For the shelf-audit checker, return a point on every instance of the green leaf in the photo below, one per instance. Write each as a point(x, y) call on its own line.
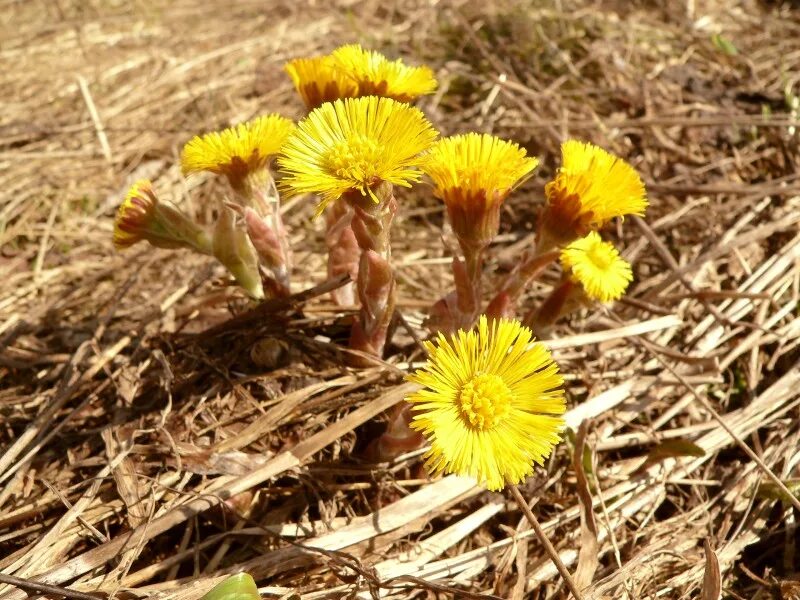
point(237, 587)
point(724, 45)
point(673, 448)
point(770, 491)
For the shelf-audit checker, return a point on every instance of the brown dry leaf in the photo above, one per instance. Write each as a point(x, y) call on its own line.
point(790, 590)
point(207, 462)
point(712, 580)
point(137, 501)
point(588, 555)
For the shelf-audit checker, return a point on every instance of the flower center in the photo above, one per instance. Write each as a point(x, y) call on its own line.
point(601, 256)
point(355, 159)
point(485, 401)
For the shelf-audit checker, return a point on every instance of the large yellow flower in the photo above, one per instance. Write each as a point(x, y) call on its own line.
point(591, 188)
point(598, 267)
point(491, 403)
point(473, 174)
point(376, 75)
point(319, 80)
point(353, 145)
point(238, 151)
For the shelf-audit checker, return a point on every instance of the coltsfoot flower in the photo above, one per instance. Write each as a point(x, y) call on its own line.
point(376, 75)
point(354, 145)
point(318, 80)
point(491, 403)
point(237, 152)
point(598, 267)
point(591, 188)
point(473, 174)
point(141, 216)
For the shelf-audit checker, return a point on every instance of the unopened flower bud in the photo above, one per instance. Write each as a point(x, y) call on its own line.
point(141, 216)
point(233, 249)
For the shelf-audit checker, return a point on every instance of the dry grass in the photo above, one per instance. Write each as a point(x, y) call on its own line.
point(139, 454)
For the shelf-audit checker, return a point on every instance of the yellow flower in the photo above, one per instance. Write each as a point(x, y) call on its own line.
point(318, 80)
point(375, 75)
point(354, 145)
point(491, 403)
point(135, 214)
point(238, 151)
point(598, 267)
point(591, 188)
point(473, 174)
point(142, 217)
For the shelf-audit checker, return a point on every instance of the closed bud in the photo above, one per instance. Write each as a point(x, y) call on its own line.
point(233, 249)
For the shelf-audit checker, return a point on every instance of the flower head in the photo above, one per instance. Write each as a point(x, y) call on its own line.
point(239, 151)
point(591, 188)
point(135, 215)
point(491, 403)
point(473, 174)
point(142, 217)
point(598, 267)
point(354, 145)
point(319, 80)
point(376, 75)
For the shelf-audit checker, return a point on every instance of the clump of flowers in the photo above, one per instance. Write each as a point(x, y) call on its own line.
point(249, 231)
point(356, 151)
point(490, 398)
point(352, 72)
point(358, 143)
point(248, 236)
point(591, 188)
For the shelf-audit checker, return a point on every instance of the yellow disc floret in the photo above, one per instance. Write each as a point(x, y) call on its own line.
point(485, 401)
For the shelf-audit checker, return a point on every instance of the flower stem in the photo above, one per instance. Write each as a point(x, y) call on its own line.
point(343, 250)
point(560, 302)
point(375, 284)
point(469, 292)
point(551, 551)
point(258, 202)
point(528, 271)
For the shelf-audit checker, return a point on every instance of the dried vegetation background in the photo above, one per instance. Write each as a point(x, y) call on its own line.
point(149, 446)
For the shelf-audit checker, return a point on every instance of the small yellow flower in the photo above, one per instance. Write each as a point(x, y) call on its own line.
point(473, 174)
point(375, 75)
point(591, 188)
point(318, 80)
point(491, 403)
point(238, 151)
point(135, 215)
point(354, 145)
point(598, 267)
point(142, 217)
